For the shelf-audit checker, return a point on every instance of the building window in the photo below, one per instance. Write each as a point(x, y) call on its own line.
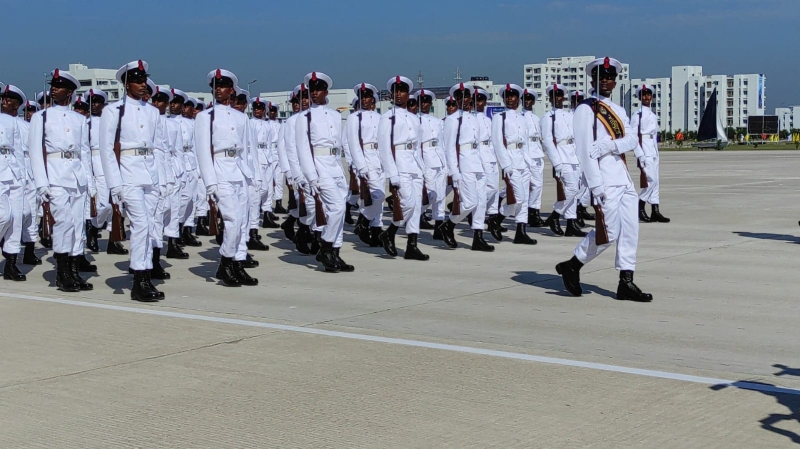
point(745, 82)
point(537, 70)
point(537, 85)
point(744, 93)
point(528, 69)
point(102, 83)
point(85, 83)
point(537, 78)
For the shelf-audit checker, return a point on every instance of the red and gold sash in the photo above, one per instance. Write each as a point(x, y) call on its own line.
point(608, 118)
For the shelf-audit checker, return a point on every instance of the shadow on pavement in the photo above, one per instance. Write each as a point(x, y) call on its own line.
point(554, 286)
point(769, 236)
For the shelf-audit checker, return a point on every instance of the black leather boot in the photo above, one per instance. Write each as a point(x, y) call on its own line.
point(174, 251)
point(424, 224)
point(412, 250)
point(10, 270)
point(387, 239)
point(583, 213)
point(220, 237)
point(570, 272)
point(437, 230)
point(47, 242)
point(494, 226)
point(479, 244)
point(254, 243)
point(288, 228)
point(190, 239)
point(158, 271)
point(522, 237)
point(579, 221)
point(643, 218)
point(316, 242)
point(553, 222)
point(241, 275)
point(327, 257)
point(302, 239)
point(279, 209)
point(74, 269)
point(343, 266)
point(448, 234)
point(84, 266)
point(267, 221)
point(534, 219)
point(141, 291)
point(91, 237)
point(348, 214)
point(148, 274)
point(249, 262)
point(628, 291)
point(225, 273)
point(375, 237)
point(362, 229)
point(116, 248)
point(29, 258)
point(202, 226)
point(573, 230)
point(656, 215)
point(181, 243)
point(64, 280)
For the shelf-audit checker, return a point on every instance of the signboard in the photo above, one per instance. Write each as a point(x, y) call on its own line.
point(760, 92)
point(762, 124)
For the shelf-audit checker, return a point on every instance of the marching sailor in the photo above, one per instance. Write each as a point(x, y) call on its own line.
point(489, 159)
point(30, 208)
point(13, 176)
point(645, 123)
point(536, 156)
point(430, 141)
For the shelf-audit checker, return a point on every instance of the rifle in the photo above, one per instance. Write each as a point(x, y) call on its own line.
point(117, 230)
point(364, 192)
point(397, 211)
point(642, 175)
point(354, 189)
point(213, 212)
point(456, 210)
point(600, 228)
point(47, 217)
point(511, 198)
point(92, 201)
point(319, 212)
point(425, 200)
point(292, 199)
point(560, 195)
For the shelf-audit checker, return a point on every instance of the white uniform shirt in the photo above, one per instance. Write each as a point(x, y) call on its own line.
point(534, 147)
point(175, 139)
point(326, 139)
point(649, 131)
point(406, 157)
point(485, 139)
point(274, 131)
point(138, 131)
point(564, 153)
point(609, 170)
point(232, 135)
point(66, 133)
point(94, 145)
point(187, 135)
point(12, 159)
point(283, 159)
point(513, 152)
point(262, 130)
point(162, 152)
point(361, 157)
point(430, 139)
point(24, 128)
point(468, 158)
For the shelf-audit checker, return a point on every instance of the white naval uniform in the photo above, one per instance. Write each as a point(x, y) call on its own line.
point(430, 140)
point(403, 164)
point(12, 183)
point(466, 167)
point(265, 164)
point(563, 156)
point(354, 196)
point(648, 149)
point(231, 170)
point(367, 157)
point(274, 187)
point(68, 160)
point(137, 172)
point(177, 164)
point(287, 153)
point(323, 168)
point(30, 206)
point(611, 173)
point(536, 158)
point(290, 137)
point(489, 164)
point(166, 178)
point(189, 185)
point(513, 157)
point(102, 197)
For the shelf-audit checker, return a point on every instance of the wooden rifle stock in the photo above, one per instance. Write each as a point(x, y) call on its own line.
point(117, 229)
point(354, 190)
point(364, 192)
point(213, 218)
point(303, 211)
point(425, 200)
point(319, 212)
point(560, 195)
point(292, 199)
point(93, 207)
point(600, 229)
point(511, 198)
point(397, 210)
point(456, 203)
point(47, 217)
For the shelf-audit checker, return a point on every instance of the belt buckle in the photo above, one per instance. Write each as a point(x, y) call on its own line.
point(434, 143)
point(68, 154)
point(5, 150)
point(142, 152)
point(230, 153)
point(570, 141)
point(334, 151)
point(262, 145)
point(409, 146)
point(519, 145)
point(474, 146)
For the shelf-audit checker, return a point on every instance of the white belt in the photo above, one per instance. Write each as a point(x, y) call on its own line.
point(262, 145)
point(405, 146)
point(569, 141)
point(647, 136)
point(64, 155)
point(370, 146)
point(323, 151)
point(430, 144)
point(136, 152)
point(95, 152)
point(229, 152)
point(534, 139)
point(6, 150)
point(273, 146)
point(473, 145)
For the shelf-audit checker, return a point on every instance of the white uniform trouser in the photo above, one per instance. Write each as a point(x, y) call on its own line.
point(200, 203)
point(188, 196)
point(377, 186)
point(141, 204)
point(436, 184)
point(102, 203)
point(254, 208)
point(67, 206)
point(621, 211)
point(650, 193)
point(571, 178)
point(277, 180)
point(520, 182)
point(492, 188)
point(30, 213)
point(233, 205)
point(265, 200)
point(537, 183)
point(472, 189)
point(333, 193)
point(410, 194)
point(158, 218)
point(172, 212)
point(354, 197)
point(12, 197)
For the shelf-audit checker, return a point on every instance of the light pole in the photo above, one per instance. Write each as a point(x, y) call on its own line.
point(248, 90)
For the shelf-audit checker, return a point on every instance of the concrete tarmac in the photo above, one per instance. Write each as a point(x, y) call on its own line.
point(309, 359)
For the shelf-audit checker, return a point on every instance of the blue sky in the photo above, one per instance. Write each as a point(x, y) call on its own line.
point(353, 41)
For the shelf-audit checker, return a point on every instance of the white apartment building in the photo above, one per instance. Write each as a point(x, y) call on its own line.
point(788, 118)
point(97, 79)
point(571, 72)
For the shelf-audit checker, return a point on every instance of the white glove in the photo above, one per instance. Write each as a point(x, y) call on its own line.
point(394, 181)
point(509, 171)
point(92, 191)
point(602, 147)
point(642, 162)
point(116, 195)
point(162, 190)
point(314, 187)
point(211, 191)
point(44, 194)
point(364, 173)
point(559, 168)
point(302, 184)
point(599, 195)
point(289, 181)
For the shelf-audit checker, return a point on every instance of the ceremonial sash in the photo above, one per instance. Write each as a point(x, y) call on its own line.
point(608, 118)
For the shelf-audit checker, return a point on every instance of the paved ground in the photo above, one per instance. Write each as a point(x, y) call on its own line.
point(309, 359)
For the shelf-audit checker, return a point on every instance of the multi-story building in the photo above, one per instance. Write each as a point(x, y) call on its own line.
point(571, 72)
point(97, 79)
point(788, 118)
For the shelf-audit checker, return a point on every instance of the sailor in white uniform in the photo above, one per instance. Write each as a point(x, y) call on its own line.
point(536, 157)
point(489, 158)
point(430, 141)
point(30, 208)
point(645, 123)
point(13, 177)
point(261, 155)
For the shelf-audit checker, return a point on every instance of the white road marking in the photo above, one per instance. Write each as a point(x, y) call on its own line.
point(425, 344)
